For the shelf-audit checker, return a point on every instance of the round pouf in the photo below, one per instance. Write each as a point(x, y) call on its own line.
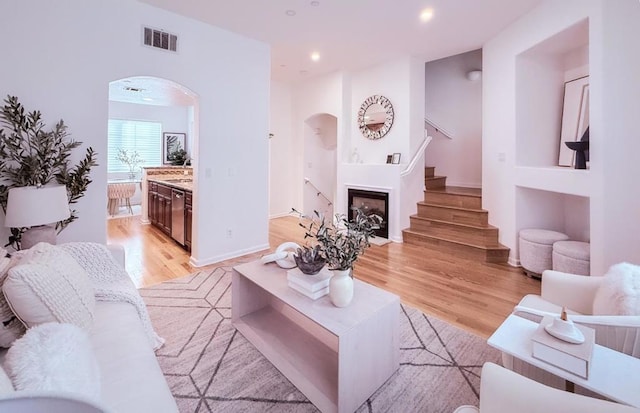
point(536, 248)
point(573, 257)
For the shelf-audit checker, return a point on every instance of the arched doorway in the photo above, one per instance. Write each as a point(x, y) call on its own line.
point(320, 168)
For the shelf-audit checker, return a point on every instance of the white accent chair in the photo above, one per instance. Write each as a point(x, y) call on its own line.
point(503, 391)
point(576, 292)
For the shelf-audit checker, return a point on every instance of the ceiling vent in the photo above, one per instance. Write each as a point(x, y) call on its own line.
point(160, 39)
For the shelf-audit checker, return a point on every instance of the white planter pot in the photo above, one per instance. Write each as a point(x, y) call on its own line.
point(341, 288)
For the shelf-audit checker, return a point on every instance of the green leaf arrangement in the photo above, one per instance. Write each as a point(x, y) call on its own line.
point(33, 156)
point(343, 242)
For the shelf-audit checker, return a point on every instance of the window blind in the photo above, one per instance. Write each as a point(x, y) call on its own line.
point(133, 135)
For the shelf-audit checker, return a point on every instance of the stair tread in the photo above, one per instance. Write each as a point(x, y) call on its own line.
point(450, 207)
point(497, 246)
point(458, 190)
point(433, 178)
point(415, 216)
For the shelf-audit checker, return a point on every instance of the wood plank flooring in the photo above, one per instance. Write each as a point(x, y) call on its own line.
point(472, 295)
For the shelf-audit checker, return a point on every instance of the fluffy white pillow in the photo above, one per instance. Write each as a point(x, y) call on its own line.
point(54, 357)
point(619, 293)
point(48, 285)
point(10, 327)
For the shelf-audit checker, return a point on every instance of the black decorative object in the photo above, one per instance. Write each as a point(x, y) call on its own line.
point(309, 260)
point(582, 150)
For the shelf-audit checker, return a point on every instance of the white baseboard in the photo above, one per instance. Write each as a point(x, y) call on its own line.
point(227, 256)
point(280, 215)
point(513, 262)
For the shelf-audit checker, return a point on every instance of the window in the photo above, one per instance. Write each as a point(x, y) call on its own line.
point(133, 135)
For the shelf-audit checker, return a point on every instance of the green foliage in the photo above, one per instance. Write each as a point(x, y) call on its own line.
point(341, 244)
point(131, 160)
point(178, 157)
point(33, 156)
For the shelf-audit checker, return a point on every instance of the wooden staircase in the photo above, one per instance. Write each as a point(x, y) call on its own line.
point(451, 219)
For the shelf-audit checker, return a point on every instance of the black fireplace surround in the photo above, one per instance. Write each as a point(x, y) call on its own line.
point(371, 202)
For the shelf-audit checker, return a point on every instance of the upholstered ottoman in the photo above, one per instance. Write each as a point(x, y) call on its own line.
point(572, 257)
point(536, 248)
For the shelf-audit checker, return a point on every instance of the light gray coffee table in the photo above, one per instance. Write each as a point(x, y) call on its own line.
point(337, 357)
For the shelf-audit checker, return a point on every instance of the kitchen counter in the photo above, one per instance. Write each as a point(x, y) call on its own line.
point(179, 183)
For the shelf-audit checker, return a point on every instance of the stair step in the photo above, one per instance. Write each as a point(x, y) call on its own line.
point(435, 182)
point(455, 196)
point(458, 215)
point(466, 250)
point(429, 171)
point(479, 235)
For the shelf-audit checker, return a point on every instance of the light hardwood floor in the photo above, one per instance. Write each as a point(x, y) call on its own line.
point(475, 296)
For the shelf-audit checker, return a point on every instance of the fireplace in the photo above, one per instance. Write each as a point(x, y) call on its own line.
point(371, 202)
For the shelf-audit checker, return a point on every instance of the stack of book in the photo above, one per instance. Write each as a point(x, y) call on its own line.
point(574, 358)
point(313, 286)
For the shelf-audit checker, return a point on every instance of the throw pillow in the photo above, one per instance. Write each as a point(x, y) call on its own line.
point(10, 327)
point(54, 357)
point(619, 293)
point(48, 285)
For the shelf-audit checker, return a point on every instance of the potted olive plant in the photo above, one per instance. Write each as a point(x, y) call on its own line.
point(341, 242)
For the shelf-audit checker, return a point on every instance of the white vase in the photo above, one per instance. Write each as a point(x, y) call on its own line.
point(341, 288)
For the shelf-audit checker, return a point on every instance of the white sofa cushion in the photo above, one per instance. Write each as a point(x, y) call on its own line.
point(54, 357)
point(10, 327)
point(619, 292)
point(48, 285)
point(132, 381)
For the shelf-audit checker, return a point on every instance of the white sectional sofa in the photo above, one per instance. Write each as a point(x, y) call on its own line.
point(130, 377)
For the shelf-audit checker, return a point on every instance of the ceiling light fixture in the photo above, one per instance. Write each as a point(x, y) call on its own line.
point(426, 15)
point(147, 99)
point(315, 56)
point(315, 3)
point(290, 13)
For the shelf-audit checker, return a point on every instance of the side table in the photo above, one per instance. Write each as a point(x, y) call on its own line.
point(612, 374)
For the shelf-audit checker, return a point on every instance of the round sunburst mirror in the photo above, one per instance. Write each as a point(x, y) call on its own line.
point(375, 117)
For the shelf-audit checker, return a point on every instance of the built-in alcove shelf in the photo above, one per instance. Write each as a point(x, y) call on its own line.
point(541, 74)
point(557, 179)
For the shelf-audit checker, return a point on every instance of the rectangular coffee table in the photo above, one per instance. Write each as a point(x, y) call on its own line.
point(337, 357)
point(612, 374)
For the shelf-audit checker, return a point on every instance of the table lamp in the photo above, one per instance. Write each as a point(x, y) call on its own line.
point(36, 207)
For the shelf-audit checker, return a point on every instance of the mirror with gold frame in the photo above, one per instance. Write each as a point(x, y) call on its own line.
point(375, 117)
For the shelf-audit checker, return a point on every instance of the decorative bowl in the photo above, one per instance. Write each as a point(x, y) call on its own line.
point(309, 260)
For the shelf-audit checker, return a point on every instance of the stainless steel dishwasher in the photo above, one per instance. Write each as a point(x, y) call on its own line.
point(177, 215)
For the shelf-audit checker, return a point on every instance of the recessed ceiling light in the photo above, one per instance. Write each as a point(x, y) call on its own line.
point(147, 99)
point(315, 56)
point(315, 3)
point(283, 65)
point(290, 13)
point(426, 15)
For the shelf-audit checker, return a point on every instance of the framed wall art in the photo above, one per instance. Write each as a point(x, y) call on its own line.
point(171, 143)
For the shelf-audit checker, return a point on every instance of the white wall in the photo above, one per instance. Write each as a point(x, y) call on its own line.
point(281, 156)
point(390, 80)
point(610, 184)
point(455, 104)
point(64, 62)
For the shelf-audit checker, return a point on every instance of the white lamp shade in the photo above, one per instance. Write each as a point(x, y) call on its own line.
point(29, 206)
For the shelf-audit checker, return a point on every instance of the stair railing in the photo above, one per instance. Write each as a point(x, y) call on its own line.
point(438, 128)
point(416, 157)
point(318, 192)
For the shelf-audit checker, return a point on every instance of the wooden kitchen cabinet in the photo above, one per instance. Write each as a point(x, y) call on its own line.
point(159, 210)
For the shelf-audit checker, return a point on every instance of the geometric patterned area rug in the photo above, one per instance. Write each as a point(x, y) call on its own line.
point(211, 367)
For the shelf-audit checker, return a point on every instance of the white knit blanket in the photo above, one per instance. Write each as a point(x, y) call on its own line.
point(110, 281)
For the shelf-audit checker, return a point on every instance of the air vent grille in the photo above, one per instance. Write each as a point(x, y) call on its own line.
point(160, 39)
